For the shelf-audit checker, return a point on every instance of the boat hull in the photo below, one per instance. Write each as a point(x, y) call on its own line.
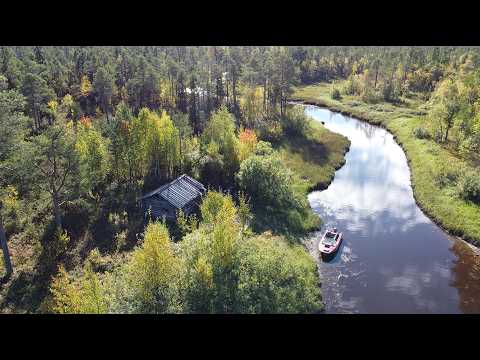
point(324, 250)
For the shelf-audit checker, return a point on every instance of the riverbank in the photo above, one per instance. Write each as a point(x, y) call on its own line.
point(313, 156)
point(425, 157)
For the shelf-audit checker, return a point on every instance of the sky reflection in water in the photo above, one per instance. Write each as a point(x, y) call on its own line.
point(393, 258)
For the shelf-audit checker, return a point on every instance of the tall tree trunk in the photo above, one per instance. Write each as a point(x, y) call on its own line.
point(56, 210)
point(106, 111)
point(234, 90)
point(181, 154)
point(6, 254)
point(234, 97)
point(227, 94)
point(265, 96)
point(282, 105)
point(36, 120)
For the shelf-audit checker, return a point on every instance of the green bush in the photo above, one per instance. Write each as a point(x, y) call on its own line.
point(469, 187)
point(295, 220)
point(270, 130)
point(11, 210)
point(264, 148)
point(446, 175)
point(421, 133)
point(97, 262)
point(267, 181)
point(352, 86)
point(389, 92)
point(296, 122)
point(383, 108)
point(335, 94)
point(369, 95)
point(55, 249)
point(77, 214)
point(276, 203)
point(354, 103)
point(470, 147)
point(264, 265)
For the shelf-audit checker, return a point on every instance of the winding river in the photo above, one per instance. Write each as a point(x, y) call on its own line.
point(393, 258)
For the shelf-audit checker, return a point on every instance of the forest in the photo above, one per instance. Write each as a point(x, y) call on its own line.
point(85, 131)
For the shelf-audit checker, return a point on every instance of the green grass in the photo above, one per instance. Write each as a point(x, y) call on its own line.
point(426, 157)
point(314, 157)
point(379, 113)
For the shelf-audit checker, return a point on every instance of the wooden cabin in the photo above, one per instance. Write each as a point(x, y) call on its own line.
point(183, 193)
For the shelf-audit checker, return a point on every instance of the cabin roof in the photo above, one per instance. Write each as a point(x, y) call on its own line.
point(179, 192)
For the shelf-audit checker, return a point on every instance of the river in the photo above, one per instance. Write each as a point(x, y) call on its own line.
point(393, 258)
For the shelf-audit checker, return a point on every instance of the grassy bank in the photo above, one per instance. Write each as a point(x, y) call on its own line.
point(315, 156)
point(426, 157)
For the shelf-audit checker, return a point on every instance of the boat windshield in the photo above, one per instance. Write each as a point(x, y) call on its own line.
point(330, 238)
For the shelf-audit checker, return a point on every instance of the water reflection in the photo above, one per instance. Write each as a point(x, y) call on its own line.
point(466, 273)
point(393, 258)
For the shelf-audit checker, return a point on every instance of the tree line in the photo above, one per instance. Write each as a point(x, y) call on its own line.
point(85, 130)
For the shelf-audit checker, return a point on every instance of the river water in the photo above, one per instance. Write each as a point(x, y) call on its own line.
point(393, 259)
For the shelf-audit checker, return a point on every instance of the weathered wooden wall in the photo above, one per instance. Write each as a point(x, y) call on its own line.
point(161, 208)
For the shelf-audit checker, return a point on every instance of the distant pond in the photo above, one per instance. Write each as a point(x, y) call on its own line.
point(393, 258)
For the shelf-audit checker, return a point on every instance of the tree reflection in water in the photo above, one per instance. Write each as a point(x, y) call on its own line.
point(393, 258)
point(466, 276)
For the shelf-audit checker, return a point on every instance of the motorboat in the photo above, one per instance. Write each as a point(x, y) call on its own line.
point(330, 241)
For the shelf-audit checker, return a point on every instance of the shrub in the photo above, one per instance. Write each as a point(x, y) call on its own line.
point(469, 187)
point(421, 133)
point(295, 221)
point(11, 210)
point(335, 94)
point(271, 130)
point(389, 92)
point(445, 175)
point(120, 240)
point(369, 95)
point(354, 103)
point(296, 122)
point(247, 143)
point(3, 83)
point(267, 181)
point(265, 262)
point(352, 85)
point(83, 295)
point(470, 147)
point(56, 247)
point(264, 148)
point(97, 262)
point(77, 214)
point(383, 108)
point(186, 223)
point(276, 203)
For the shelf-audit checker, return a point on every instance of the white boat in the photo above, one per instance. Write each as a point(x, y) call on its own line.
point(330, 241)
